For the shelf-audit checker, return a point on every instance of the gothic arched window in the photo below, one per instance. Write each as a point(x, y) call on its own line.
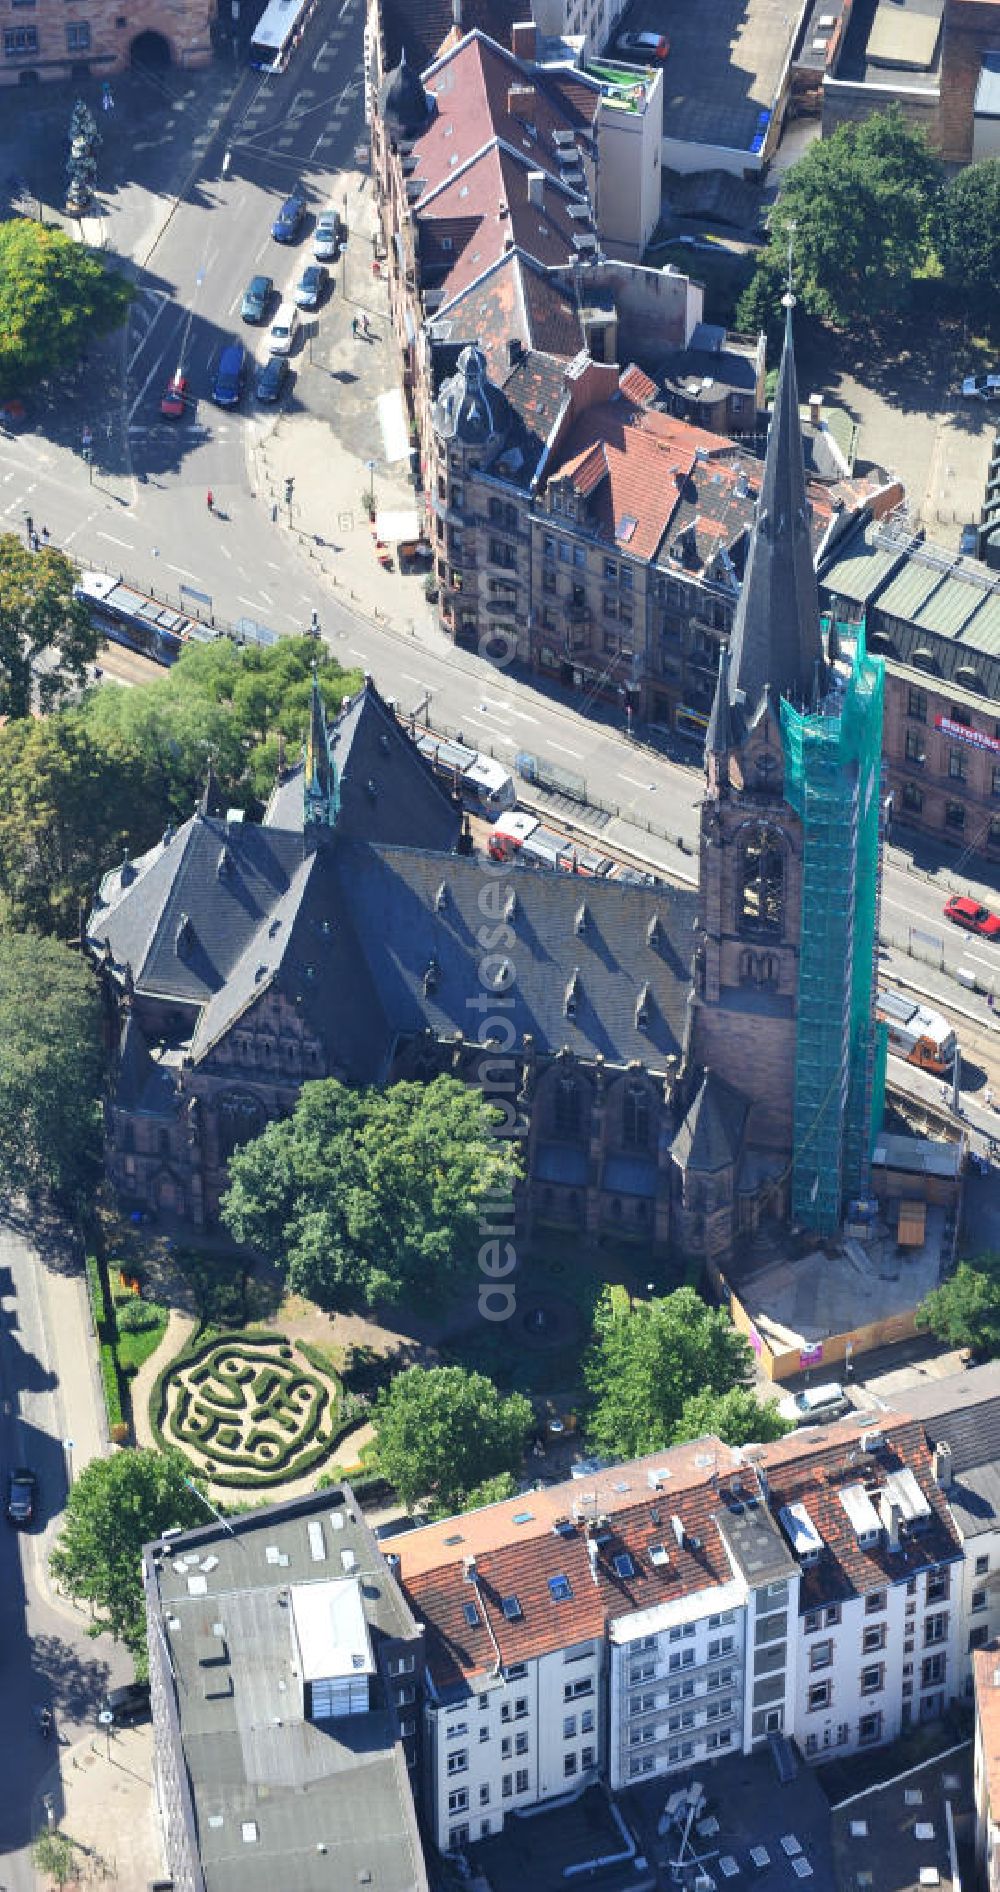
point(635, 1117)
point(762, 882)
point(241, 1117)
point(567, 1110)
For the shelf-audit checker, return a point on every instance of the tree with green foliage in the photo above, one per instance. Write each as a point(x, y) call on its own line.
point(53, 1853)
point(104, 778)
point(56, 297)
point(491, 1491)
point(648, 1359)
point(965, 1310)
point(71, 803)
point(442, 1432)
point(51, 1065)
point(365, 1196)
point(115, 1507)
point(968, 235)
point(46, 636)
point(737, 1417)
point(859, 207)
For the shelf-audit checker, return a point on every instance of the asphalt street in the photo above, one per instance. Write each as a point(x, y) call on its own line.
point(48, 1658)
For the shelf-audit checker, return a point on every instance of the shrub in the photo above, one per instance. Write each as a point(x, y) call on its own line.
point(95, 1289)
point(136, 1316)
point(112, 1389)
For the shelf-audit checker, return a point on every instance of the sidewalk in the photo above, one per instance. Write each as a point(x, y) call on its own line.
point(102, 1794)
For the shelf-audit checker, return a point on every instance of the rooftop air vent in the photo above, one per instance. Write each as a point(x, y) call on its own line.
point(441, 897)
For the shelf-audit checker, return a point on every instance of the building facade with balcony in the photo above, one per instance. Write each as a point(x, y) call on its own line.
point(652, 1616)
point(935, 618)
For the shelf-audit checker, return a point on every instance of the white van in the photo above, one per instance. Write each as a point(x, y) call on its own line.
point(282, 331)
point(815, 1404)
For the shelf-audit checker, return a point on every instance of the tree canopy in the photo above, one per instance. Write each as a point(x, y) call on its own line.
point(450, 1435)
point(106, 776)
point(968, 234)
point(737, 1417)
point(859, 207)
point(965, 1310)
point(647, 1361)
point(55, 297)
point(46, 637)
point(364, 1196)
point(50, 1067)
point(115, 1507)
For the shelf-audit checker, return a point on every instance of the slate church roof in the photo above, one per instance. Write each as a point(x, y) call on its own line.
point(376, 930)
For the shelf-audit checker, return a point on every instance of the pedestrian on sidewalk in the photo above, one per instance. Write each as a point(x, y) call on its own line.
point(988, 1098)
point(210, 496)
point(45, 536)
point(354, 326)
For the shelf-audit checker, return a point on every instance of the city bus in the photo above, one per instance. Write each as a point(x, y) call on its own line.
point(277, 33)
point(916, 1033)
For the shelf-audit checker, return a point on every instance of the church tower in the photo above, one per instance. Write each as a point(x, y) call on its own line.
point(789, 867)
point(320, 785)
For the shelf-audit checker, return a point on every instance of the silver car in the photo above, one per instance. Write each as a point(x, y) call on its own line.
point(326, 237)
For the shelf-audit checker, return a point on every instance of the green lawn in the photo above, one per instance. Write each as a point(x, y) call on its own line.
point(134, 1349)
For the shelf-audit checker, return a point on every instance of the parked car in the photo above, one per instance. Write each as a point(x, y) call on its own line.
point(815, 1405)
point(122, 1706)
point(311, 286)
point(174, 399)
point(981, 387)
point(327, 236)
point(650, 45)
point(288, 222)
point(227, 388)
point(962, 911)
point(256, 297)
point(13, 414)
point(968, 544)
point(21, 1489)
point(271, 379)
point(281, 333)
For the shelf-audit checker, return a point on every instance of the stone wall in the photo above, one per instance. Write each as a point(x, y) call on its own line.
point(55, 34)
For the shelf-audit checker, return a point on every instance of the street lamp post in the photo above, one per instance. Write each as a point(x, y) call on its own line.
point(68, 1448)
point(370, 464)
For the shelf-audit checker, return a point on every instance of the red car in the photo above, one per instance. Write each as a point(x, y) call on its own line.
point(976, 919)
point(175, 396)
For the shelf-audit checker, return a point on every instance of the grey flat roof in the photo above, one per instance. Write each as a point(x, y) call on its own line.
point(755, 1543)
point(724, 68)
point(279, 1800)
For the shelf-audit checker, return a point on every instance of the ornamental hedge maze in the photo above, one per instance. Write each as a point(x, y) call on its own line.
point(246, 1413)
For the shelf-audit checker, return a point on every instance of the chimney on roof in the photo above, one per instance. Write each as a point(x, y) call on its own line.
point(520, 99)
point(456, 13)
point(815, 410)
point(592, 1558)
point(942, 1465)
point(891, 1513)
point(536, 188)
point(524, 40)
point(515, 349)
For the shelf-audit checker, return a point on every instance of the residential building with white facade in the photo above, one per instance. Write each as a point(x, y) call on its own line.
point(667, 1611)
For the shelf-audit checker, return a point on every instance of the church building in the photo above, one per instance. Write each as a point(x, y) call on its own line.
point(679, 1065)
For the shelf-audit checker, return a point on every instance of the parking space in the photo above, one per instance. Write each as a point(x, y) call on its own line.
point(912, 419)
point(724, 67)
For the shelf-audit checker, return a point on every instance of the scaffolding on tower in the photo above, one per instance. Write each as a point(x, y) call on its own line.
point(832, 776)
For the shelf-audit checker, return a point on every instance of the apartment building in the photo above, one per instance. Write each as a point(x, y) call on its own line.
point(285, 1671)
point(986, 1766)
point(658, 1614)
point(960, 1415)
point(935, 618)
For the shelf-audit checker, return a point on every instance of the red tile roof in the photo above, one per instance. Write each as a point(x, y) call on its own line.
point(515, 301)
point(486, 200)
point(520, 1545)
point(637, 386)
point(818, 1478)
point(472, 85)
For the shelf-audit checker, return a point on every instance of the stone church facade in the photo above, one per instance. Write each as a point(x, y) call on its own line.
point(644, 1041)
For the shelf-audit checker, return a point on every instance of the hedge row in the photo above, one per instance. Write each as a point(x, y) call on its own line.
point(112, 1392)
point(98, 1302)
point(196, 1352)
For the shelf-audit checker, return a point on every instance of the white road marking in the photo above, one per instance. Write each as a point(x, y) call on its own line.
point(180, 569)
point(635, 782)
point(252, 602)
point(127, 543)
point(408, 674)
point(561, 746)
point(226, 553)
point(498, 735)
point(136, 352)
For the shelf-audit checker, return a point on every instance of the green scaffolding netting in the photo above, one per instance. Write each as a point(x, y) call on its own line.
point(832, 777)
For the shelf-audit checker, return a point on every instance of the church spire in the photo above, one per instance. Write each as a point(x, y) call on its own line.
point(776, 644)
point(321, 789)
point(718, 735)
